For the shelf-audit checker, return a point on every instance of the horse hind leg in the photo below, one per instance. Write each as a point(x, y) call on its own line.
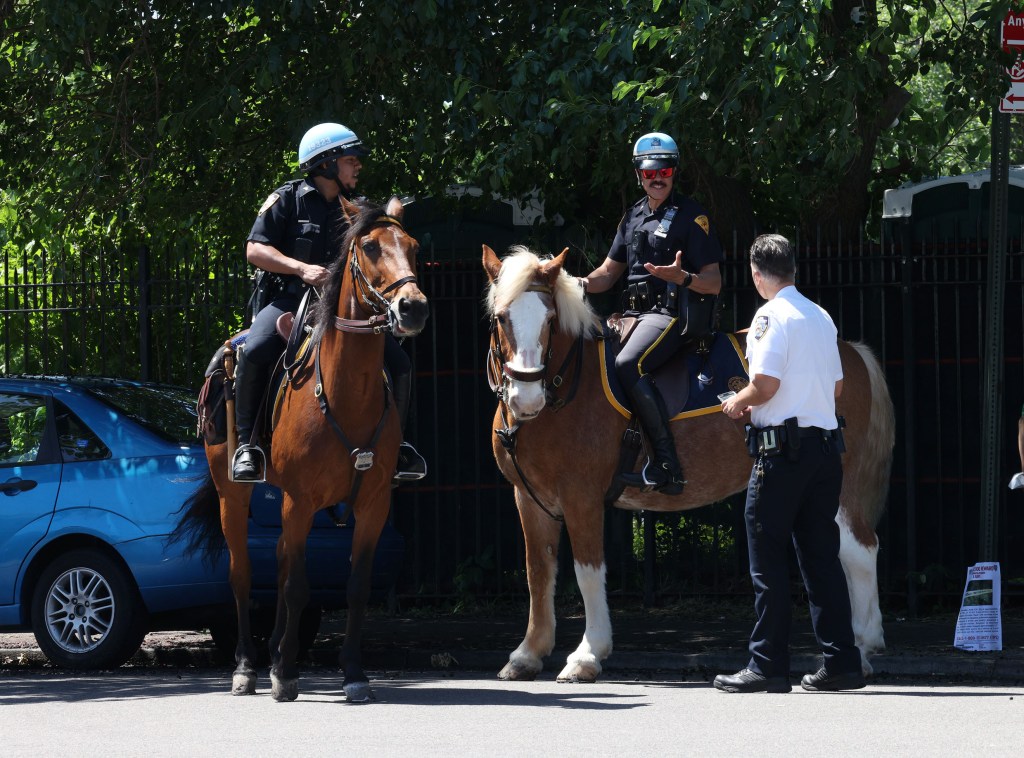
point(859, 555)
point(234, 513)
point(584, 664)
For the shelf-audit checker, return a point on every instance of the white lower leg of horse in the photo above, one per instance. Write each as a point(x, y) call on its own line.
point(860, 563)
point(597, 638)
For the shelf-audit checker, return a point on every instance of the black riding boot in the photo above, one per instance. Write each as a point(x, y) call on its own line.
point(663, 474)
point(411, 465)
point(247, 465)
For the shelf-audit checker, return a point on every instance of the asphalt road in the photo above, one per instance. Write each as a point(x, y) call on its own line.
point(166, 712)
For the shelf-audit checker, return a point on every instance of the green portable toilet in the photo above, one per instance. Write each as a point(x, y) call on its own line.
point(949, 208)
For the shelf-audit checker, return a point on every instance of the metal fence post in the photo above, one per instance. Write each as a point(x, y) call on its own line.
point(145, 328)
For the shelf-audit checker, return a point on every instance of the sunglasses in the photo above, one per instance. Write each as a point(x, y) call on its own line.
point(654, 173)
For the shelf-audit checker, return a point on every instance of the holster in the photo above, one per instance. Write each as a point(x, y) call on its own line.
point(697, 313)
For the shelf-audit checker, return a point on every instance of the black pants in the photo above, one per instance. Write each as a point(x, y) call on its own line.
point(654, 340)
point(797, 502)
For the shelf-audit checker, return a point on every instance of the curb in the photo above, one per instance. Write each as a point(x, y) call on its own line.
point(990, 668)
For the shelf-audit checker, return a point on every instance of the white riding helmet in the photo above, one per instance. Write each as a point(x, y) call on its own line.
point(326, 141)
point(655, 150)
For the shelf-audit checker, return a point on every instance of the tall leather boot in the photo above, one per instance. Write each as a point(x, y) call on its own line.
point(247, 465)
point(411, 465)
point(663, 473)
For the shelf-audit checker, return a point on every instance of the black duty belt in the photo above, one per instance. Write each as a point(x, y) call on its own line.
point(773, 440)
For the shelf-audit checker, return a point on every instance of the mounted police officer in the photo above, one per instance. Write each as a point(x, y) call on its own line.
point(666, 247)
point(793, 497)
point(293, 242)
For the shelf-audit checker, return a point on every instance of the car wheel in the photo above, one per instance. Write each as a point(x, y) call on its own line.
point(86, 612)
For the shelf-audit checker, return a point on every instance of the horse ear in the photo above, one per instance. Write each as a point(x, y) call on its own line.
point(351, 210)
point(491, 264)
point(553, 268)
point(395, 207)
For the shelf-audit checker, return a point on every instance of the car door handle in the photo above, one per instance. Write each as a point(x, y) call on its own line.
point(15, 486)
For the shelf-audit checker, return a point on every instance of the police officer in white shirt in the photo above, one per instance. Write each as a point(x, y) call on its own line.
point(793, 494)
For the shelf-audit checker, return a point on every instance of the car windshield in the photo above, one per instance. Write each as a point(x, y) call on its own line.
point(167, 411)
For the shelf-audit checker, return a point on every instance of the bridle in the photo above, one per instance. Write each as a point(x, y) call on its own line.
point(380, 320)
point(499, 374)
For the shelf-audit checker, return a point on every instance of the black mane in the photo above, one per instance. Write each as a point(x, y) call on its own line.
point(322, 313)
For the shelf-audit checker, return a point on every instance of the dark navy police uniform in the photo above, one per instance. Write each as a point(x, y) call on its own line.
point(298, 221)
point(679, 223)
point(793, 495)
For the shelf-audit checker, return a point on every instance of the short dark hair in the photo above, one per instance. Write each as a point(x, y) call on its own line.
point(772, 255)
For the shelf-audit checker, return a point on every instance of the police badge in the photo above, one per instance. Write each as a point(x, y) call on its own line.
point(269, 203)
point(760, 327)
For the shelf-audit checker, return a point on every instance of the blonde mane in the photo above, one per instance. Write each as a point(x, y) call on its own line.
point(519, 269)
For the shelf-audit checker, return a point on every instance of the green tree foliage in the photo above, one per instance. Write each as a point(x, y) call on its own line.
point(168, 121)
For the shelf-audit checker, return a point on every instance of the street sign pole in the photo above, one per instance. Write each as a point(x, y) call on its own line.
point(1011, 39)
point(992, 388)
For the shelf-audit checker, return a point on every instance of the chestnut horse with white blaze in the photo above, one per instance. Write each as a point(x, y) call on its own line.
point(336, 438)
point(566, 449)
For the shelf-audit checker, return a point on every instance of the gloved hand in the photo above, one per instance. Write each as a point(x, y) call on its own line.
point(1017, 483)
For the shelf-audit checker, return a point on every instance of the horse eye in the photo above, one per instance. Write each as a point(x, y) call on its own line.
point(501, 319)
point(371, 246)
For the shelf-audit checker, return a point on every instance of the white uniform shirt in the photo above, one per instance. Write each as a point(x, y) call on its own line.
point(794, 340)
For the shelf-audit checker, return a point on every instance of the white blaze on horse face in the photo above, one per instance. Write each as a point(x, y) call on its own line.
point(528, 317)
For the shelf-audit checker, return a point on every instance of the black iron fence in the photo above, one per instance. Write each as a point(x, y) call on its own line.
point(920, 306)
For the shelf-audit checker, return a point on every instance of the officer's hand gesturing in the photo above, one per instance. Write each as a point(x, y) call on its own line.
point(314, 275)
point(672, 273)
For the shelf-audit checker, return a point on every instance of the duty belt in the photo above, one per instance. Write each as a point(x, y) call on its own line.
point(638, 297)
point(774, 440)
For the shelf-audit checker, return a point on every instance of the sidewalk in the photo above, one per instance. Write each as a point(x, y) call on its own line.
point(659, 642)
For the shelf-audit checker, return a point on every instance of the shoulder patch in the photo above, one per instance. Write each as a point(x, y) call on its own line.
point(760, 327)
point(702, 222)
point(269, 203)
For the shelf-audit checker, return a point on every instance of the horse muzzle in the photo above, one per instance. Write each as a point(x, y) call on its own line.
point(409, 315)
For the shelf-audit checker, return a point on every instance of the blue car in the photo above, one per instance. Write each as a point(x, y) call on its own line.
point(92, 474)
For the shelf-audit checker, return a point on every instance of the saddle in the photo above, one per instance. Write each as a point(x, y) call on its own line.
point(210, 405)
point(690, 381)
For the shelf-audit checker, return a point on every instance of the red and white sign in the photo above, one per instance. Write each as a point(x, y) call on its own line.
point(1012, 34)
point(1012, 37)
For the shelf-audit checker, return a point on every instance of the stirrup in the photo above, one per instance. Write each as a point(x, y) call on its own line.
point(415, 466)
point(261, 460)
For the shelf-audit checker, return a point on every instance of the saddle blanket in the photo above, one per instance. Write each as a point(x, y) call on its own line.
point(690, 383)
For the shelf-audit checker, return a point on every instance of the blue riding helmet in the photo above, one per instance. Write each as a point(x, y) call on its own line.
point(327, 141)
point(655, 150)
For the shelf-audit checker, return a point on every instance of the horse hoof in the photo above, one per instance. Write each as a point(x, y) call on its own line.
point(284, 690)
point(514, 672)
point(579, 672)
point(243, 684)
point(358, 692)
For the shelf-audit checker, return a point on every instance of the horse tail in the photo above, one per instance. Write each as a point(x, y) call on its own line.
point(199, 523)
point(876, 452)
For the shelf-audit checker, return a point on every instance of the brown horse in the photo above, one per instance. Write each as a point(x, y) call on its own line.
point(566, 446)
point(334, 411)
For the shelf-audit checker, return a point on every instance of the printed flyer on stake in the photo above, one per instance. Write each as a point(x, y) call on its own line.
point(980, 625)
